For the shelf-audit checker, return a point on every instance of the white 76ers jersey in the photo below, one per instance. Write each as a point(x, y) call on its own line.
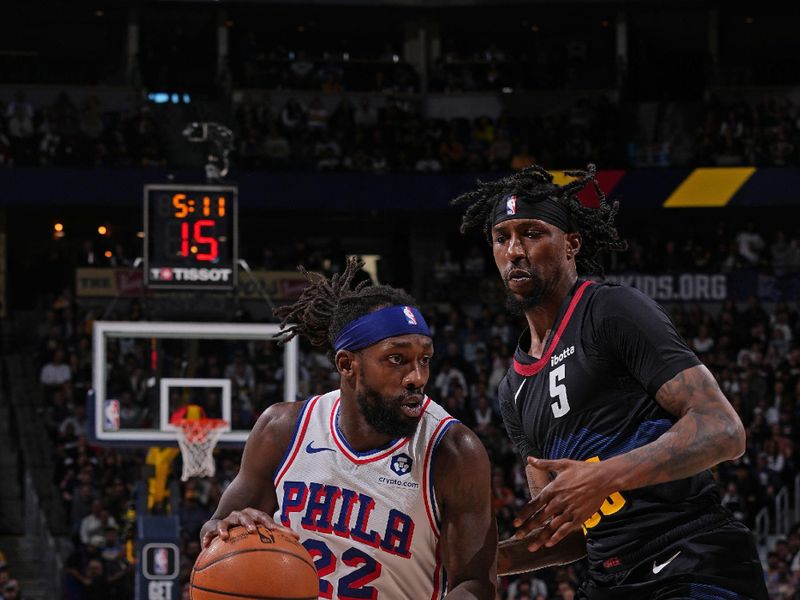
point(369, 519)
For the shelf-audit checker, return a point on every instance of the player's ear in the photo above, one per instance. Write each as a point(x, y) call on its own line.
point(573, 240)
point(345, 363)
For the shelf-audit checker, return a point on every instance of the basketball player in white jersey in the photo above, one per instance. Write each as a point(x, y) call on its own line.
point(390, 495)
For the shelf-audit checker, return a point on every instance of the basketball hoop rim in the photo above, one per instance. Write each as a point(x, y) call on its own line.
point(196, 430)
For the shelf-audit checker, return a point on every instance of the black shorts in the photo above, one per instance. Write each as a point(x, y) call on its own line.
point(720, 563)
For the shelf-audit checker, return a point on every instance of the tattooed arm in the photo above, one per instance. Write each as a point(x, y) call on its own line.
point(707, 432)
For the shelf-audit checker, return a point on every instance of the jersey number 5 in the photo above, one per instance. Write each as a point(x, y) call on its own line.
point(559, 391)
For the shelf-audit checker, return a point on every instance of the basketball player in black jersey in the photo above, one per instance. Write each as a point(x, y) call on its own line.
point(616, 418)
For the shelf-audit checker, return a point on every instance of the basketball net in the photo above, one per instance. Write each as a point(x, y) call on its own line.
point(197, 439)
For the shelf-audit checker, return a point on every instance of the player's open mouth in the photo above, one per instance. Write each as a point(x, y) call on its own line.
point(412, 407)
point(518, 280)
point(517, 275)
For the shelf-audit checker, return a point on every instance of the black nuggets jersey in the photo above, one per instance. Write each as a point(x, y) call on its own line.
point(591, 396)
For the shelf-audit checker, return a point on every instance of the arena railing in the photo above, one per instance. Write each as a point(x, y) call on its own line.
point(761, 528)
point(36, 530)
point(783, 517)
point(796, 499)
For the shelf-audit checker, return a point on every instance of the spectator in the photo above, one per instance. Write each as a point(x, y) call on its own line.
point(365, 115)
point(750, 243)
point(241, 374)
point(317, 116)
point(56, 372)
point(94, 525)
point(11, 590)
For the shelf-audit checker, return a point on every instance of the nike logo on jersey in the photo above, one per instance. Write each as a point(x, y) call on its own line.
point(519, 390)
point(658, 568)
point(311, 450)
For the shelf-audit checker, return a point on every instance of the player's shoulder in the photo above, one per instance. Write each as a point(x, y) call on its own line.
point(281, 417)
point(608, 299)
point(460, 447)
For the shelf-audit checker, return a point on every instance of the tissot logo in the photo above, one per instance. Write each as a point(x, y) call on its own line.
point(186, 274)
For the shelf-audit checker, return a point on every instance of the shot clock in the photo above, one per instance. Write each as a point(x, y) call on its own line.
point(190, 236)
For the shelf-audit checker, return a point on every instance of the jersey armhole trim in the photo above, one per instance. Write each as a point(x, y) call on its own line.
point(428, 492)
point(297, 439)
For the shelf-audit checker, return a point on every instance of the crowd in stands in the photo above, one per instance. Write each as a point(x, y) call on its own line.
point(765, 133)
point(362, 134)
point(278, 68)
point(751, 348)
point(357, 135)
point(10, 588)
point(490, 69)
point(68, 133)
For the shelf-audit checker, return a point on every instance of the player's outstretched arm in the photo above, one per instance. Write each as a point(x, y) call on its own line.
point(707, 432)
point(462, 481)
point(514, 555)
point(250, 499)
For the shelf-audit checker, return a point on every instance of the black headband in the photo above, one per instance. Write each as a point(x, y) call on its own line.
point(515, 206)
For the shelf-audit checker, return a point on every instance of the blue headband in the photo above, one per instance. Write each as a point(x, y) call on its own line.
point(379, 325)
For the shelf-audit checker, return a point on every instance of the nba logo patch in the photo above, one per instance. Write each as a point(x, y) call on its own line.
point(412, 320)
point(111, 415)
point(511, 205)
point(401, 464)
point(161, 561)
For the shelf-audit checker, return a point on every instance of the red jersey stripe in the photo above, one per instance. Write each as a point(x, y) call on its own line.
point(534, 368)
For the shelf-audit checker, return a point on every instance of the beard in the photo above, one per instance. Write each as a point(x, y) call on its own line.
point(517, 305)
point(383, 414)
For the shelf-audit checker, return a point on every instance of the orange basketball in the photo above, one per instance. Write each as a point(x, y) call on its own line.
point(268, 565)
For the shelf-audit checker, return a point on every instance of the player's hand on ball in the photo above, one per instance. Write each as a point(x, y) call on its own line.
point(249, 518)
point(564, 504)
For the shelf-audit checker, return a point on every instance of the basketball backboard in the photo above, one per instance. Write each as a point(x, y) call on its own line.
point(148, 374)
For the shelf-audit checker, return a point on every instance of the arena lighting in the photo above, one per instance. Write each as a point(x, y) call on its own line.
point(167, 97)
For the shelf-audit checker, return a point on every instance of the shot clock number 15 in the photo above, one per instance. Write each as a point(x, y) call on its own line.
point(190, 235)
point(198, 237)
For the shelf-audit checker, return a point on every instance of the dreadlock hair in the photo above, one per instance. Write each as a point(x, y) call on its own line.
point(596, 225)
point(327, 305)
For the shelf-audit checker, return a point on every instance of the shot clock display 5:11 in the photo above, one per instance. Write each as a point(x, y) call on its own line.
point(190, 236)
